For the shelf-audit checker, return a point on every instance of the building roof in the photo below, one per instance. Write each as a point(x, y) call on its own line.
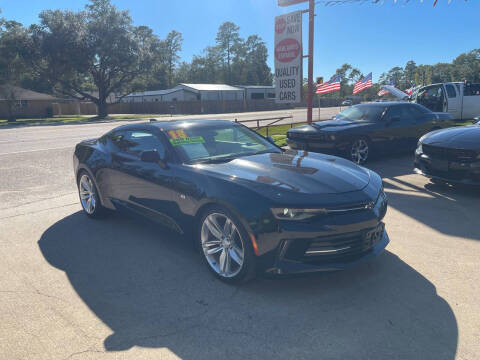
point(210, 87)
point(22, 94)
point(256, 86)
point(156, 92)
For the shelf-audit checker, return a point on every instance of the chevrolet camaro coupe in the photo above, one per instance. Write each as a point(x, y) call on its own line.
point(364, 130)
point(247, 205)
point(450, 155)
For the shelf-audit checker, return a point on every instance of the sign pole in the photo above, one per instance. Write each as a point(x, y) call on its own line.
point(319, 118)
point(311, 16)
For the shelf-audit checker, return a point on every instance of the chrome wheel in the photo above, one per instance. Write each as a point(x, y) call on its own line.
point(222, 245)
point(87, 194)
point(359, 151)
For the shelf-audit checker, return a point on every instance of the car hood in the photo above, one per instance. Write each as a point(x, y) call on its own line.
point(294, 171)
point(463, 137)
point(331, 126)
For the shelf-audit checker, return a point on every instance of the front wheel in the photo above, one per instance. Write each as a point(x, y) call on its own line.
point(359, 151)
point(88, 194)
point(225, 246)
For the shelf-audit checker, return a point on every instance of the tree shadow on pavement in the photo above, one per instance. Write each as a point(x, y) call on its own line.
point(451, 210)
point(152, 290)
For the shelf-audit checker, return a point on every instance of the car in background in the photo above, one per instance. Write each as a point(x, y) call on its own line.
point(347, 102)
point(247, 204)
point(460, 99)
point(364, 130)
point(476, 120)
point(450, 155)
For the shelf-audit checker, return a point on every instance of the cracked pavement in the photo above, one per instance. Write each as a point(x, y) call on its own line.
point(119, 288)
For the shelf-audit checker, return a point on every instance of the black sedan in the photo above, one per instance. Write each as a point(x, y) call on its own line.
point(248, 205)
point(450, 155)
point(366, 129)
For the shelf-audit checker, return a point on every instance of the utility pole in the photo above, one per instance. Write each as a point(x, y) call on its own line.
point(311, 16)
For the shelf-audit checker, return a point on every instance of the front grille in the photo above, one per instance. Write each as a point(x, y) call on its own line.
point(434, 152)
point(334, 249)
point(306, 136)
point(461, 155)
point(457, 155)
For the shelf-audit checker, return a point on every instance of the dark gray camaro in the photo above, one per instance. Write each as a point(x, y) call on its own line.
point(248, 205)
point(451, 155)
point(364, 130)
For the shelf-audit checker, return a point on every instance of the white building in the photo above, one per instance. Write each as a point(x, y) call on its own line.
point(189, 92)
point(213, 91)
point(206, 92)
point(175, 94)
point(258, 92)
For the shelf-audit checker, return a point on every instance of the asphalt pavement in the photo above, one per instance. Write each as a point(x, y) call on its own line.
point(119, 288)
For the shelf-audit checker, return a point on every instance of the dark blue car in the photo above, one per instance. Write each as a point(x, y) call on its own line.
point(246, 204)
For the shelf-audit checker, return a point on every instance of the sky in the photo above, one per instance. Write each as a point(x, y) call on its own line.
point(370, 37)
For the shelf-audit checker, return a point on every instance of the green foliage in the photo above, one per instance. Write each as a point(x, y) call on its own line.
point(465, 67)
point(92, 53)
point(232, 60)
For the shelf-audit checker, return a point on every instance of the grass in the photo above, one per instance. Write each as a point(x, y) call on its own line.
point(278, 132)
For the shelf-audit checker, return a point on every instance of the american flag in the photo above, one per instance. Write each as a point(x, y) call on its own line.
point(332, 85)
point(383, 92)
point(363, 84)
point(410, 90)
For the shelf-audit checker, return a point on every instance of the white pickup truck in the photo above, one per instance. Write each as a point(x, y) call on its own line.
point(460, 99)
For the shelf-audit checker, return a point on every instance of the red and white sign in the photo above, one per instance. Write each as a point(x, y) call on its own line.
point(288, 57)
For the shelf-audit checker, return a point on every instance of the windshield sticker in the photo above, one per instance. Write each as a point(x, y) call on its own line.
point(177, 134)
point(187, 140)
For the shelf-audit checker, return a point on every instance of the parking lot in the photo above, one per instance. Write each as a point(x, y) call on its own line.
point(76, 288)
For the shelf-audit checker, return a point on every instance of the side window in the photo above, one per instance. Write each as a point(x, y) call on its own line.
point(472, 90)
point(451, 91)
point(135, 141)
point(412, 111)
point(395, 111)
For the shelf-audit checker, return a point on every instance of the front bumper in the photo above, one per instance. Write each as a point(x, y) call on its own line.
point(327, 254)
point(467, 173)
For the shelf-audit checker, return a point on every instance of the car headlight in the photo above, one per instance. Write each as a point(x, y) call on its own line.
point(381, 203)
point(297, 214)
point(419, 148)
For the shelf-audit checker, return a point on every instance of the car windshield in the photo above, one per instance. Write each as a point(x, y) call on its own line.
point(362, 113)
point(217, 143)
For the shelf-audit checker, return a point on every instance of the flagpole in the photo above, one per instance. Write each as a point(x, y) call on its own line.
point(319, 118)
point(310, 60)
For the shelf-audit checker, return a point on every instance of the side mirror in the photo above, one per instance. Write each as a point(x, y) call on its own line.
point(150, 156)
point(270, 140)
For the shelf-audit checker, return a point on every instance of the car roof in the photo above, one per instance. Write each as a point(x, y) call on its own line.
point(384, 103)
point(175, 124)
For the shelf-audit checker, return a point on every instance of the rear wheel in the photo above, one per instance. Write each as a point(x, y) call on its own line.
point(359, 151)
point(88, 194)
point(225, 247)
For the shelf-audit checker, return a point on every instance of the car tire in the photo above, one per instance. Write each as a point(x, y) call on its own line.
point(225, 246)
point(359, 151)
point(88, 195)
